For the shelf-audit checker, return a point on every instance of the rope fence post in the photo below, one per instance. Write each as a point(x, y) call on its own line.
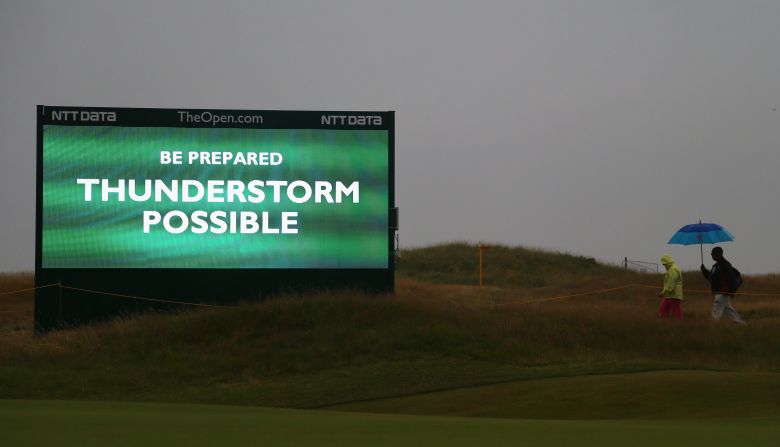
point(59, 293)
point(479, 248)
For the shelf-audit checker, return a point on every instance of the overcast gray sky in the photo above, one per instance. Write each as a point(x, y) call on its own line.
point(591, 127)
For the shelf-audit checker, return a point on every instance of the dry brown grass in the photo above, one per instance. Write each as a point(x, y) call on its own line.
point(314, 350)
point(620, 325)
point(537, 326)
point(16, 309)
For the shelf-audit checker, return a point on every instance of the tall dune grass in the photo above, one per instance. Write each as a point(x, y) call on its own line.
point(315, 350)
point(458, 263)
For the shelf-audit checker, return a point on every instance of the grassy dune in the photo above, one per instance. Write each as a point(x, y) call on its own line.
point(437, 333)
point(503, 266)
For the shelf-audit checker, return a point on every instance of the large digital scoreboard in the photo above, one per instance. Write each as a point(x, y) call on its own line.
point(207, 205)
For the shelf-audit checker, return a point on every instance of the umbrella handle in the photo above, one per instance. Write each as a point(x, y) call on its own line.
point(701, 249)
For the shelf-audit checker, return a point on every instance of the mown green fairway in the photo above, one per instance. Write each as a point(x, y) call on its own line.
point(644, 395)
point(85, 424)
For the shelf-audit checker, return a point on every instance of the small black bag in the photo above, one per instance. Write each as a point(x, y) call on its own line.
point(737, 278)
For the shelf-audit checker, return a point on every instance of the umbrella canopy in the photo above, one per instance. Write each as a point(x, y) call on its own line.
point(701, 233)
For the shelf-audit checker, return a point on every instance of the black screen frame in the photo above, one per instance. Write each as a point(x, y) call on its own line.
point(67, 297)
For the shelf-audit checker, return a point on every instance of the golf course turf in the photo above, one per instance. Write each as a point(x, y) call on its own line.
point(86, 424)
point(553, 350)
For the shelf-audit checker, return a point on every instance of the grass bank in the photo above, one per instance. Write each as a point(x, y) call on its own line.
point(503, 266)
point(337, 347)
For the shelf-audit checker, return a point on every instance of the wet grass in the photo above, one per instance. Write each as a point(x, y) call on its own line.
point(337, 347)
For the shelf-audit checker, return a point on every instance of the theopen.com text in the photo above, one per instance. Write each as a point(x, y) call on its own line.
point(216, 119)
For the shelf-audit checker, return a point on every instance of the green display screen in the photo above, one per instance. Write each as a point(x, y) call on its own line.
point(214, 198)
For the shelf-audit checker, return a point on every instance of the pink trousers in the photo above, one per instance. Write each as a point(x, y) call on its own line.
point(670, 307)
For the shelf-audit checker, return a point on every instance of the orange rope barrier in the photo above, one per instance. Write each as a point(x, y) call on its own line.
point(593, 292)
point(539, 300)
point(26, 290)
point(11, 292)
point(709, 292)
point(552, 298)
point(146, 299)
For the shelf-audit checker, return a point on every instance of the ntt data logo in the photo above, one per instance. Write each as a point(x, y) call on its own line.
point(83, 116)
point(351, 120)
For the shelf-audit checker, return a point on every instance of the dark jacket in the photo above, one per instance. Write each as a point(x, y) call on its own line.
point(722, 277)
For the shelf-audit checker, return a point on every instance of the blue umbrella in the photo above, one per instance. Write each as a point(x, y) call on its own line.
point(701, 233)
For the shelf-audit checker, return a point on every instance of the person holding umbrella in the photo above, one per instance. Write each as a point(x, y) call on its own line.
point(723, 282)
point(672, 293)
